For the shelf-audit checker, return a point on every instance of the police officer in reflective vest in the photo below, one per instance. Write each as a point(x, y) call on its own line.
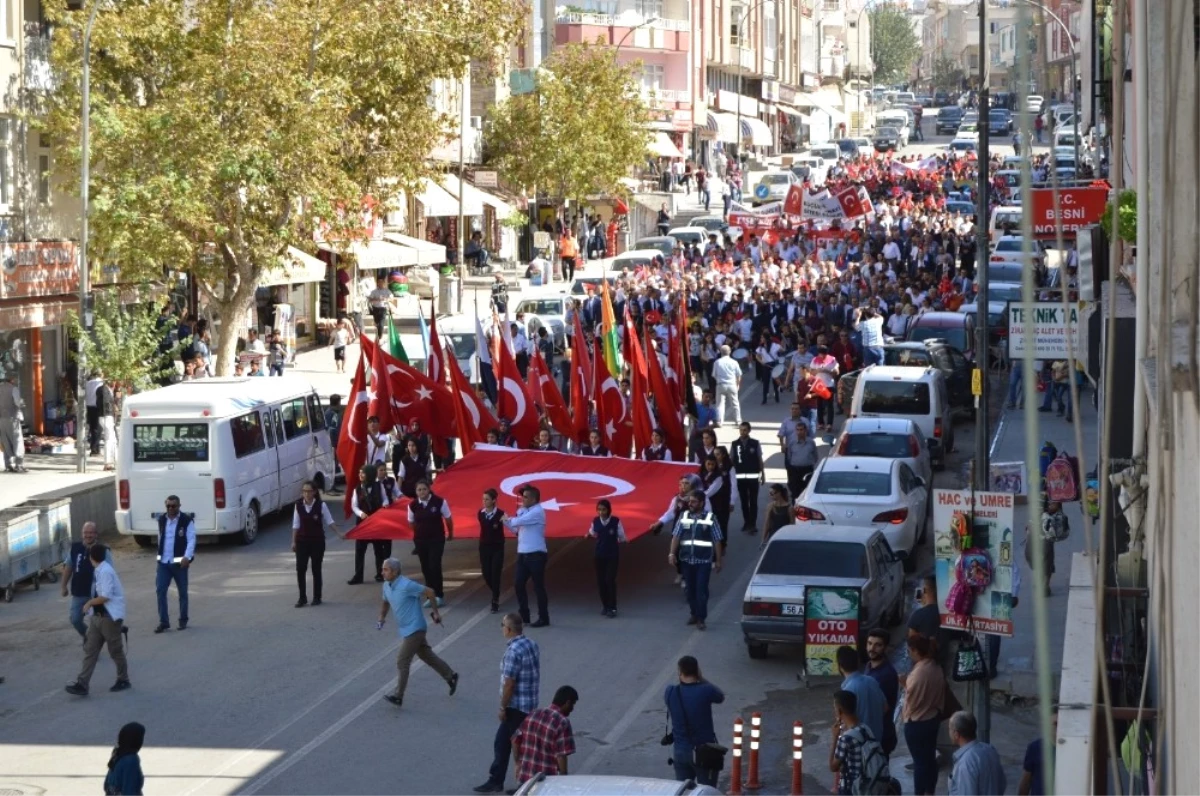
point(695, 545)
point(747, 456)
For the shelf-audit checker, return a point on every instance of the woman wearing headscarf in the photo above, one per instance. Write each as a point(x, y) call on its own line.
point(125, 767)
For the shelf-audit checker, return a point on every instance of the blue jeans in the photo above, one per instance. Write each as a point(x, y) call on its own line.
point(685, 769)
point(696, 576)
point(1016, 381)
point(873, 356)
point(921, 737)
point(166, 574)
point(502, 745)
point(77, 615)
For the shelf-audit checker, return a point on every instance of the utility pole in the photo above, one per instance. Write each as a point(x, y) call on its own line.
point(979, 695)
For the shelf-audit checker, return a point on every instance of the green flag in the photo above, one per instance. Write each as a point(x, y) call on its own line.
point(394, 342)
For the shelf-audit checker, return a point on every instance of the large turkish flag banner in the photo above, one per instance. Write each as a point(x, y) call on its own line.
point(570, 485)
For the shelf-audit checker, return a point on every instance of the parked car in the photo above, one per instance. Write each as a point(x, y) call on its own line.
point(915, 393)
point(997, 316)
point(951, 327)
point(888, 139)
point(1034, 102)
point(886, 438)
point(967, 209)
point(800, 557)
point(637, 257)
point(961, 146)
point(579, 288)
point(941, 98)
point(848, 147)
point(548, 311)
point(930, 353)
point(689, 235)
point(611, 785)
point(810, 169)
point(664, 245)
point(773, 187)
point(711, 223)
point(1000, 121)
point(899, 118)
point(1010, 248)
point(829, 153)
point(948, 119)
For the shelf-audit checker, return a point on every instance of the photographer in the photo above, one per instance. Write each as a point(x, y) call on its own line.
point(869, 323)
point(695, 753)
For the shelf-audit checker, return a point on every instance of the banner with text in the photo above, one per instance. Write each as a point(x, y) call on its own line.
point(1044, 326)
point(966, 522)
point(830, 620)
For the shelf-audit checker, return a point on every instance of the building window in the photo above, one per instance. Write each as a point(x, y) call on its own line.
point(7, 24)
point(43, 179)
point(649, 8)
point(652, 77)
point(6, 164)
point(737, 21)
point(771, 32)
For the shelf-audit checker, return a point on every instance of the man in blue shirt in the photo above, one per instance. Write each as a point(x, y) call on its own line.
point(881, 670)
point(1033, 769)
point(690, 705)
point(977, 767)
point(871, 701)
point(403, 597)
point(520, 680)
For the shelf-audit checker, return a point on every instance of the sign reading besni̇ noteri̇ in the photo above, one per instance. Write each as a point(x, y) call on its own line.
point(1045, 327)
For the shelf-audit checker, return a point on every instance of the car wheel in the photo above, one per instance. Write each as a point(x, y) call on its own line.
point(757, 650)
point(144, 541)
point(250, 530)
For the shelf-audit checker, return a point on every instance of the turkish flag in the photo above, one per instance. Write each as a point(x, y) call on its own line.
point(548, 396)
point(437, 367)
point(630, 343)
point(855, 201)
point(615, 428)
point(570, 486)
point(381, 394)
point(581, 368)
point(352, 439)
point(471, 416)
point(793, 203)
point(675, 355)
point(643, 420)
point(415, 397)
point(687, 394)
point(668, 410)
point(514, 402)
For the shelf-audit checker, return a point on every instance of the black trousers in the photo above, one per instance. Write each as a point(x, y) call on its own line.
point(523, 364)
point(532, 565)
point(383, 550)
point(606, 581)
point(825, 411)
point(93, 427)
point(568, 266)
point(491, 562)
point(502, 746)
point(764, 376)
point(307, 551)
point(721, 515)
point(748, 497)
point(797, 478)
point(429, 553)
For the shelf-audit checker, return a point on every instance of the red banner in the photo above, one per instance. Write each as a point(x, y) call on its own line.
point(1079, 208)
point(570, 486)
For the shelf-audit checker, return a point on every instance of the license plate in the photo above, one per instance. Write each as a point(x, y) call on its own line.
point(792, 610)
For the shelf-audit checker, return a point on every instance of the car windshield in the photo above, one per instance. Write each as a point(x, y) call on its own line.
point(889, 132)
point(541, 306)
point(907, 357)
point(664, 245)
point(815, 559)
point(1004, 292)
point(634, 261)
point(904, 397)
point(1010, 245)
point(463, 344)
point(955, 336)
point(854, 483)
point(847, 146)
point(1004, 272)
point(878, 444)
point(775, 179)
point(962, 146)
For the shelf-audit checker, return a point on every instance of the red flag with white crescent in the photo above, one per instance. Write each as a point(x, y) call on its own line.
point(668, 410)
point(352, 438)
point(616, 427)
point(514, 402)
point(581, 372)
point(381, 395)
point(548, 396)
point(437, 367)
point(472, 418)
point(643, 420)
point(570, 486)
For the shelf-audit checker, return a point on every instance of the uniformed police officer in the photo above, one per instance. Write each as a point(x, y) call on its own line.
point(695, 544)
point(747, 455)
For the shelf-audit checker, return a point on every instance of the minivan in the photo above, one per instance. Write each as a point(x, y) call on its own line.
point(953, 327)
point(231, 449)
point(918, 394)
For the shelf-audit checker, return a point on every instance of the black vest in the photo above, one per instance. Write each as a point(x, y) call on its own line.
point(588, 450)
point(370, 500)
point(747, 456)
point(651, 455)
point(312, 527)
point(180, 544)
point(491, 531)
point(606, 536)
point(83, 573)
point(414, 471)
point(428, 523)
point(721, 499)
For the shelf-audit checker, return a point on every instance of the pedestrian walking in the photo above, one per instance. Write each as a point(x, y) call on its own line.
point(106, 624)
point(715, 483)
point(800, 458)
point(689, 704)
point(277, 355)
point(124, 777)
point(491, 545)
point(926, 694)
point(855, 755)
point(568, 250)
point(1055, 528)
point(309, 520)
point(871, 701)
point(977, 767)
point(881, 670)
point(380, 303)
point(12, 443)
point(1033, 768)
point(176, 551)
point(728, 375)
point(377, 442)
point(106, 410)
point(342, 336)
point(402, 598)
point(520, 679)
point(544, 741)
point(609, 534)
point(368, 497)
point(529, 524)
point(429, 516)
point(779, 512)
point(695, 544)
point(93, 416)
point(825, 368)
point(500, 294)
point(766, 357)
point(594, 446)
point(748, 467)
point(79, 575)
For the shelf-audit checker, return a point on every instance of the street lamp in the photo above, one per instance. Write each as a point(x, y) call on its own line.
point(1074, 76)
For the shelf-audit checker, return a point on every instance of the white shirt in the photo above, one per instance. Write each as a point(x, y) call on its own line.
point(872, 331)
point(668, 517)
point(105, 583)
point(257, 346)
point(90, 389)
point(529, 524)
point(727, 371)
point(326, 517)
point(377, 451)
point(891, 250)
point(168, 554)
point(445, 512)
point(362, 515)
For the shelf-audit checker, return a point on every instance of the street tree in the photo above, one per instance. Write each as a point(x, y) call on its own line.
point(946, 74)
point(579, 131)
point(895, 46)
point(224, 132)
point(125, 341)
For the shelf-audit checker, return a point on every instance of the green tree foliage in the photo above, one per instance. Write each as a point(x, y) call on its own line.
point(123, 343)
point(579, 131)
point(894, 44)
point(947, 75)
point(1126, 217)
point(223, 132)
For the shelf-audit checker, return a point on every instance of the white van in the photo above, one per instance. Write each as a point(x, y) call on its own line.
point(1002, 219)
point(918, 394)
point(232, 449)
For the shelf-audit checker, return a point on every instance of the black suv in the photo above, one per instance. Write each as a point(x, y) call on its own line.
point(949, 119)
point(927, 353)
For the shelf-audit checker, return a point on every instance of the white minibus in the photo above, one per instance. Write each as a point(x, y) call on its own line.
point(232, 449)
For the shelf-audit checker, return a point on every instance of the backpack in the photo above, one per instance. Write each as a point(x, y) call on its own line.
point(972, 575)
point(1062, 479)
point(1055, 527)
point(874, 779)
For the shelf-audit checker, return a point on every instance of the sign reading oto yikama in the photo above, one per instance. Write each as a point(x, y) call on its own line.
point(830, 621)
point(1044, 327)
point(38, 269)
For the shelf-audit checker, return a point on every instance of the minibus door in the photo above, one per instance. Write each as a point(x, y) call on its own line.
point(270, 479)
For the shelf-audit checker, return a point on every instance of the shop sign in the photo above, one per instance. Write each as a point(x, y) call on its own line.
point(486, 179)
point(787, 95)
point(681, 120)
point(809, 80)
point(770, 90)
point(974, 531)
point(38, 269)
point(830, 621)
point(1079, 208)
point(34, 316)
point(1045, 327)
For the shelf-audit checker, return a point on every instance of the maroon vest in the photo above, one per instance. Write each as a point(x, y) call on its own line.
point(311, 523)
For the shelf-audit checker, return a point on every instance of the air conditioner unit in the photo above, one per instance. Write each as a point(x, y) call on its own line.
point(476, 123)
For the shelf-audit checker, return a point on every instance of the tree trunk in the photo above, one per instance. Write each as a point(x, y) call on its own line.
point(232, 311)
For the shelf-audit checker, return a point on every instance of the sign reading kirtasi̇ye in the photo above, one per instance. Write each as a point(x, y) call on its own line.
point(1044, 327)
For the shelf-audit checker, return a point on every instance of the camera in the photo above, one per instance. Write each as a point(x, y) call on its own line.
point(667, 739)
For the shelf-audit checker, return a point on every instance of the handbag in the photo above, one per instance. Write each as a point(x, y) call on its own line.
point(711, 755)
point(969, 664)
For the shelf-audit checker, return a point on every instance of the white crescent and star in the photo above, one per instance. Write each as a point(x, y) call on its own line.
point(469, 404)
point(619, 486)
point(611, 382)
point(518, 394)
point(362, 398)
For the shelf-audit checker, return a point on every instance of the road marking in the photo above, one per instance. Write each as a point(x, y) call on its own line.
point(268, 776)
point(655, 689)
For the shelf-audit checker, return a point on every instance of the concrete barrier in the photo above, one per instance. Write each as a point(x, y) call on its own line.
point(94, 500)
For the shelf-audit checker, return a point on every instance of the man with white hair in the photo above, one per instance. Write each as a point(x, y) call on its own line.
point(728, 375)
point(402, 597)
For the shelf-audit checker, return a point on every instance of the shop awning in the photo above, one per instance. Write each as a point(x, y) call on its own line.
point(724, 125)
point(426, 252)
point(823, 102)
point(437, 201)
point(293, 268)
point(788, 110)
point(757, 131)
point(661, 146)
point(476, 198)
point(374, 254)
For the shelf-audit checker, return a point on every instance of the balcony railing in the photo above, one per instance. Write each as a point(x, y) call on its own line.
point(652, 94)
point(832, 5)
point(621, 21)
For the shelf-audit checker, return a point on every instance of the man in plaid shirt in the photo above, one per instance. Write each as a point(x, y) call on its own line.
point(545, 739)
point(520, 675)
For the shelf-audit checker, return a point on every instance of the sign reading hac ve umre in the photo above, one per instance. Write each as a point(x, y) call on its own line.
point(29, 270)
point(1044, 327)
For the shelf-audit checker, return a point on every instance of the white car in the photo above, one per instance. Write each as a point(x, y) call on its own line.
point(548, 311)
point(773, 187)
point(867, 492)
point(886, 438)
point(689, 235)
point(1034, 102)
point(1008, 249)
point(828, 153)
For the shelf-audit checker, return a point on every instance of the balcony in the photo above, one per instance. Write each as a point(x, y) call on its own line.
point(630, 31)
point(664, 96)
point(621, 21)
